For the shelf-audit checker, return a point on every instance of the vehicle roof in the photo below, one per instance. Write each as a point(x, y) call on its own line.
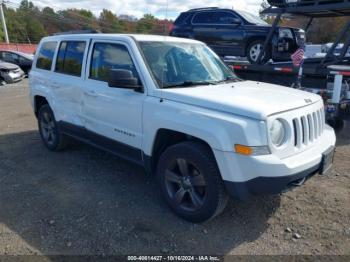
point(210, 9)
point(127, 37)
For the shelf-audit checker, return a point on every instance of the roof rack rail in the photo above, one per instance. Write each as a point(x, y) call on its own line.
point(203, 8)
point(75, 32)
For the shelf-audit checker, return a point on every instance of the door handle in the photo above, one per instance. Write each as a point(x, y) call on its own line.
point(91, 93)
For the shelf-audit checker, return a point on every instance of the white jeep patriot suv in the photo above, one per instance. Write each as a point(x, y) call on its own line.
point(172, 106)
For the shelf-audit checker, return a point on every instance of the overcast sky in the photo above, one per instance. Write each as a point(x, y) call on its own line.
point(156, 7)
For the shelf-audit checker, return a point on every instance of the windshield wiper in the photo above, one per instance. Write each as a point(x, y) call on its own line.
point(190, 83)
point(228, 79)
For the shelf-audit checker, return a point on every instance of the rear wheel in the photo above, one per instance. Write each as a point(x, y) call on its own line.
point(254, 49)
point(49, 131)
point(191, 183)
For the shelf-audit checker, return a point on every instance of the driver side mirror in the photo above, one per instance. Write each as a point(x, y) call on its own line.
point(122, 78)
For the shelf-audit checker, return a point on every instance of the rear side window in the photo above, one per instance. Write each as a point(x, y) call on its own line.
point(204, 18)
point(182, 19)
point(45, 55)
point(70, 57)
point(220, 17)
point(109, 56)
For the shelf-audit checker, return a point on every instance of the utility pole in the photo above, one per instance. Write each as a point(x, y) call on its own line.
point(3, 21)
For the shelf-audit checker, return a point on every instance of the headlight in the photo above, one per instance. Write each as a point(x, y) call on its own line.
point(277, 133)
point(285, 33)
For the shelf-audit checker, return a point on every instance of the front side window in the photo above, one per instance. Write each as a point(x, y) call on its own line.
point(224, 18)
point(70, 57)
point(174, 64)
point(108, 56)
point(252, 18)
point(45, 55)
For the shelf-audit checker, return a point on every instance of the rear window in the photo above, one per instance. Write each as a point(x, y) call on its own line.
point(70, 57)
point(45, 55)
point(182, 19)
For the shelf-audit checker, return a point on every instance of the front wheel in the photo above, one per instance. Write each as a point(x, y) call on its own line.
point(254, 49)
point(191, 183)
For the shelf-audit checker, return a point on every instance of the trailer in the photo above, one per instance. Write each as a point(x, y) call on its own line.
point(328, 76)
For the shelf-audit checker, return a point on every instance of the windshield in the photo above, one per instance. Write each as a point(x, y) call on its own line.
point(251, 18)
point(184, 64)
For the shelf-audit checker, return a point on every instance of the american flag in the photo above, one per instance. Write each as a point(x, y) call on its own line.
point(298, 57)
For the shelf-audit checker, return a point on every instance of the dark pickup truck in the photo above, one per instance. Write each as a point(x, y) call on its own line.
point(237, 33)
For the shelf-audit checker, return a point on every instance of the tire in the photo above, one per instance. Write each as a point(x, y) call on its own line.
point(49, 131)
point(191, 183)
point(253, 52)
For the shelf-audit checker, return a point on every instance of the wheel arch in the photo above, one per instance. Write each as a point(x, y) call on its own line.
point(166, 138)
point(39, 101)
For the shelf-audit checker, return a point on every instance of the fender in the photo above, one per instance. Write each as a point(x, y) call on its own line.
point(220, 130)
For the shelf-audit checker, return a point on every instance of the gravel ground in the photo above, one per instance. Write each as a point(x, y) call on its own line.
point(86, 202)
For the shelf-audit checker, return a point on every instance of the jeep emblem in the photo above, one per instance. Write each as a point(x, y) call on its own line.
point(308, 101)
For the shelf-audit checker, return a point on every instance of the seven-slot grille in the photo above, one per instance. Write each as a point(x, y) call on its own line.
point(308, 128)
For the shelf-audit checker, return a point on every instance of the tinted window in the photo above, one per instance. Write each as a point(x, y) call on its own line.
point(182, 19)
point(70, 58)
point(204, 18)
point(223, 18)
point(214, 18)
point(45, 56)
point(9, 57)
point(109, 56)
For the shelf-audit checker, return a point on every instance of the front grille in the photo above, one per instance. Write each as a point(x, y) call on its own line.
point(308, 128)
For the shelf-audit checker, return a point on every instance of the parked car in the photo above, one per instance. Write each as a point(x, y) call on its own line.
point(237, 33)
point(10, 73)
point(326, 47)
point(24, 61)
point(172, 106)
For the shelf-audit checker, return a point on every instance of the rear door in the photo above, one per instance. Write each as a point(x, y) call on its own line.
point(221, 30)
point(67, 80)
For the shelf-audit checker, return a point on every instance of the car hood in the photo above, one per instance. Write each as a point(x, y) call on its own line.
point(7, 66)
point(247, 98)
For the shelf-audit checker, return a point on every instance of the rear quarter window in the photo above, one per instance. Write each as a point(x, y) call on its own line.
point(182, 19)
point(45, 56)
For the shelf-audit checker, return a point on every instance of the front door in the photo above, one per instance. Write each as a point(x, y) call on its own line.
point(113, 114)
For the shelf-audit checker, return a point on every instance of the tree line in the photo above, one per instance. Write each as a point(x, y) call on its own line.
point(26, 23)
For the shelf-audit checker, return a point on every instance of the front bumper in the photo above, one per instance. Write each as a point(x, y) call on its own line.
point(13, 76)
point(269, 185)
point(246, 176)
